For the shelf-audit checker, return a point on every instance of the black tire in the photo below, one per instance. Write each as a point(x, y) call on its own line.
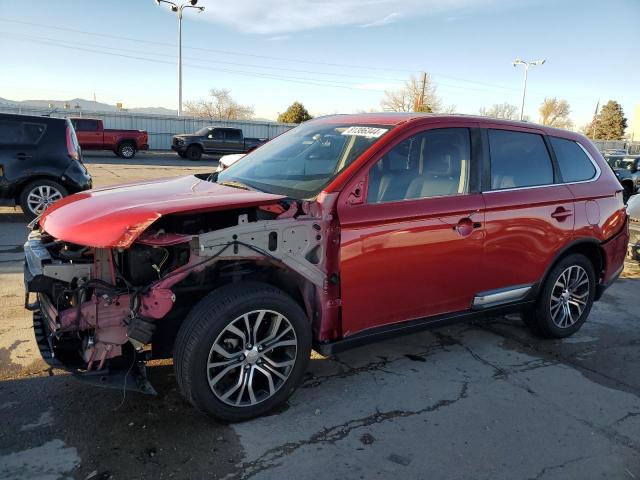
point(126, 150)
point(540, 319)
point(34, 187)
point(206, 323)
point(193, 153)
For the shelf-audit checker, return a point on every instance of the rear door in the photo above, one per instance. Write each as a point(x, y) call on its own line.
point(233, 140)
point(529, 212)
point(21, 151)
point(413, 249)
point(89, 134)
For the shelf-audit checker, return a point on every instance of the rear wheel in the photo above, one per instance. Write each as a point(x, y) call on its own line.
point(565, 300)
point(193, 152)
point(242, 351)
point(126, 150)
point(39, 194)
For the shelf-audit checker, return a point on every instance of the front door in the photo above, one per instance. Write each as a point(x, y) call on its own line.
point(215, 140)
point(414, 248)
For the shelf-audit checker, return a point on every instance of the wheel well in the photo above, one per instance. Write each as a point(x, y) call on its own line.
point(592, 251)
point(287, 281)
point(125, 141)
point(21, 185)
point(195, 145)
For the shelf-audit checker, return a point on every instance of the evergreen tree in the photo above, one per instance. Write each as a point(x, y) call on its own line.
point(296, 113)
point(609, 124)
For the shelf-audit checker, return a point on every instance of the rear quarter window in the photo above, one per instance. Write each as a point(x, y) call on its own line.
point(21, 133)
point(518, 159)
point(575, 165)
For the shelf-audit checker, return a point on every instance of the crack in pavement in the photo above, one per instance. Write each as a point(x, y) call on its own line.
point(559, 466)
point(313, 381)
point(333, 434)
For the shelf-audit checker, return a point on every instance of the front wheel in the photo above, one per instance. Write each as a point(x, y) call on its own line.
point(193, 153)
point(242, 351)
point(565, 300)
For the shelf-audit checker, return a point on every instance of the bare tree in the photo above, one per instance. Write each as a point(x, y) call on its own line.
point(415, 96)
point(501, 110)
point(555, 113)
point(219, 106)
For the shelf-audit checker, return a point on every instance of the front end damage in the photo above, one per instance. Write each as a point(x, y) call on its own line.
point(102, 312)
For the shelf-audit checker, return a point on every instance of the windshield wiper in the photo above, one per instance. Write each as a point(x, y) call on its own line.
point(235, 184)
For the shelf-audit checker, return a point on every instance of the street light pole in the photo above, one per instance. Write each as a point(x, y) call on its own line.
point(179, 9)
point(517, 62)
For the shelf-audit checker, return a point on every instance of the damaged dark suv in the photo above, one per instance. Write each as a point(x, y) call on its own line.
point(342, 231)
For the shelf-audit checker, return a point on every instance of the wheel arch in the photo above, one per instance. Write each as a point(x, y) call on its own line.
point(23, 183)
point(588, 247)
point(301, 291)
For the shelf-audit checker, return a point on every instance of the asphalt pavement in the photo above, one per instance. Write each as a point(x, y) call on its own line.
point(485, 400)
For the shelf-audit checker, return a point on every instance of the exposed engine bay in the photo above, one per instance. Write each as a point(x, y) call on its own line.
point(102, 310)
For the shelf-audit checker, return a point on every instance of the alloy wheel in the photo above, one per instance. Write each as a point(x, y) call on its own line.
point(252, 358)
point(127, 151)
point(41, 197)
point(569, 296)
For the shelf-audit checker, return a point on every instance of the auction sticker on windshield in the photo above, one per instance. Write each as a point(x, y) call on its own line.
point(369, 132)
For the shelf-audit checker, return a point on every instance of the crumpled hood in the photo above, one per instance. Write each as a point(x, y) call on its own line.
point(116, 216)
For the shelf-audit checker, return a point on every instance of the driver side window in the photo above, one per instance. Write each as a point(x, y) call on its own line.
point(434, 163)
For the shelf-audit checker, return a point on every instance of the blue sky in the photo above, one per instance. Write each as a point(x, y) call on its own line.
point(333, 55)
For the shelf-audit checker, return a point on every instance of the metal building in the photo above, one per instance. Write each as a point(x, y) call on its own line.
point(160, 127)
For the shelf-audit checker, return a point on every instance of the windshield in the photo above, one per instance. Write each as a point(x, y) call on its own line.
point(302, 161)
point(203, 131)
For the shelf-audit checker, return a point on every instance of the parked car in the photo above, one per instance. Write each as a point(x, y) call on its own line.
point(40, 162)
point(345, 230)
point(227, 160)
point(627, 169)
point(633, 210)
point(214, 140)
point(124, 143)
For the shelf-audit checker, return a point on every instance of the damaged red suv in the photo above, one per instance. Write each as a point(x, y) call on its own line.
point(342, 231)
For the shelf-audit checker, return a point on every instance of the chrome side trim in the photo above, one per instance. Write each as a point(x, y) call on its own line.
point(504, 295)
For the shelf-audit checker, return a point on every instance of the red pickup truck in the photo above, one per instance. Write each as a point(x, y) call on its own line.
point(93, 136)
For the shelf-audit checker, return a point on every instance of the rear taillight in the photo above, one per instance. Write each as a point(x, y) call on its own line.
point(72, 144)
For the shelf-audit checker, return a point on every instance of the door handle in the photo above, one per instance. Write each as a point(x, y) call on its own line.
point(561, 213)
point(22, 156)
point(465, 226)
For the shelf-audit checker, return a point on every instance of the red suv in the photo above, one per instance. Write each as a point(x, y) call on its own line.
point(342, 231)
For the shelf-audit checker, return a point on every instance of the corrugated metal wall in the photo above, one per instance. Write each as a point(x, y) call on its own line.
point(160, 128)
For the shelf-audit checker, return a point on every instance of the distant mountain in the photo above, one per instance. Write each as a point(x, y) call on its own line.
point(85, 106)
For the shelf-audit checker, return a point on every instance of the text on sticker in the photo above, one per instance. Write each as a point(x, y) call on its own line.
point(369, 132)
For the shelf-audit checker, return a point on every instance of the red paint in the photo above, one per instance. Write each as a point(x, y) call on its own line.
point(395, 261)
point(117, 216)
point(99, 138)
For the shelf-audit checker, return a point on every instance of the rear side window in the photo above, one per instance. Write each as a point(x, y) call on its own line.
point(518, 160)
point(86, 125)
point(233, 134)
point(20, 133)
point(575, 165)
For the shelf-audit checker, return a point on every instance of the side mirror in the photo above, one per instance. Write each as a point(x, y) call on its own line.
point(210, 135)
